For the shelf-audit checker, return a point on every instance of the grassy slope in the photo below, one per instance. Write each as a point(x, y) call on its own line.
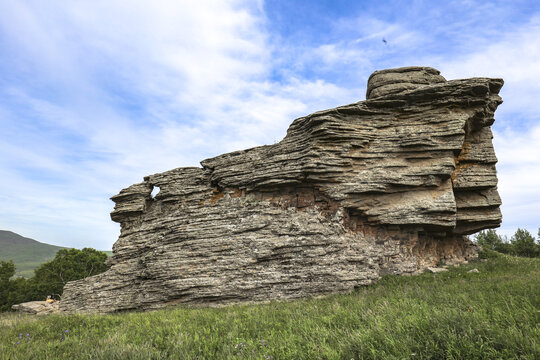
point(26, 253)
point(494, 314)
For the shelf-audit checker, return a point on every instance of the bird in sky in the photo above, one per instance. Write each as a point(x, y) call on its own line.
point(384, 41)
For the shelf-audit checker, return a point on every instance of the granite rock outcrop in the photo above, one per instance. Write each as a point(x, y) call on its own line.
point(392, 184)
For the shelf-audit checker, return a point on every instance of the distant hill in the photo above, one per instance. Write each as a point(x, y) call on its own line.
point(26, 253)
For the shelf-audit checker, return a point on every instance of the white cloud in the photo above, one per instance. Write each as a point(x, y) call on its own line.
point(197, 75)
point(102, 93)
point(514, 57)
point(519, 175)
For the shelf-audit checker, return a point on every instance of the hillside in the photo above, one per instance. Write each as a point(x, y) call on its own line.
point(26, 253)
point(490, 313)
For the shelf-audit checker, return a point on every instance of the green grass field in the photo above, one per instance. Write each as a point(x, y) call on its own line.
point(493, 314)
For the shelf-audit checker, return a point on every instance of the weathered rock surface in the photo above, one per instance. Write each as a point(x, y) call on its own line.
point(387, 185)
point(37, 307)
point(436, 270)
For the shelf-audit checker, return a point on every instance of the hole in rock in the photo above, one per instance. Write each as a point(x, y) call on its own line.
point(155, 191)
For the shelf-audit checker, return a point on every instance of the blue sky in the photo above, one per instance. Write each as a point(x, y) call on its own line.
point(95, 95)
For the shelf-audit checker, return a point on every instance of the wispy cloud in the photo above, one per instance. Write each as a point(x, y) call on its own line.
point(513, 56)
point(96, 95)
point(519, 174)
point(107, 94)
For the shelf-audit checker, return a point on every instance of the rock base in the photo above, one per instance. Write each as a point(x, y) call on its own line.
point(37, 307)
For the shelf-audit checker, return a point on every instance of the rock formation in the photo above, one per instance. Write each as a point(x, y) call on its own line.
point(37, 307)
point(392, 184)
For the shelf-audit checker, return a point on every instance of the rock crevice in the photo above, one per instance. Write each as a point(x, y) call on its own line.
point(392, 184)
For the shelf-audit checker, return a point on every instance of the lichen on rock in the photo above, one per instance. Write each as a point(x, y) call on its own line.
point(392, 184)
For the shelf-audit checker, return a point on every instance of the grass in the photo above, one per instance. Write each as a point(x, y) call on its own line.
point(493, 314)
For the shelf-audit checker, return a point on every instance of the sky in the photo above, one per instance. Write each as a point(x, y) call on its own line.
point(95, 95)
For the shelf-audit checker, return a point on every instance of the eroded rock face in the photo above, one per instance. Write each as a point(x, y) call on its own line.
point(387, 185)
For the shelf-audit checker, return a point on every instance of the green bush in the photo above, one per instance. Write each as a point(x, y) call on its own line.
point(489, 240)
point(12, 291)
point(522, 243)
point(68, 265)
point(50, 277)
point(7, 270)
point(488, 254)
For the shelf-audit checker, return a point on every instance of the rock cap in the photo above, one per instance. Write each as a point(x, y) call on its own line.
point(399, 80)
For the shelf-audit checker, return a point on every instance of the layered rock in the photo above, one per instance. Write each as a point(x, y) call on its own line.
point(37, 307)
point(392, 184)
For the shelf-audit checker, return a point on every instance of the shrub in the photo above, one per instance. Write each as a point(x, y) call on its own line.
point(68, 265)
point(50, 277)
point(523, 244)
point(489, 239)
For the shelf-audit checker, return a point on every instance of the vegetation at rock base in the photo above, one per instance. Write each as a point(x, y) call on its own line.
point(492, 314)
point(49, 278)
point(68, 265)
point(522, 243)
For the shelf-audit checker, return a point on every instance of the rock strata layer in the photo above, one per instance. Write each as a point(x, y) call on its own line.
point(392, 185)
point(37, 307)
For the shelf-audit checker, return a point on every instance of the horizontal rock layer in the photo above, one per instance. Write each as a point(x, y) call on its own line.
point(37, 307)
point(387, 185)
